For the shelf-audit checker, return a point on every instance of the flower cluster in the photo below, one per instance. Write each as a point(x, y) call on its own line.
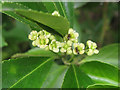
point(91, 48)
point(70, 44)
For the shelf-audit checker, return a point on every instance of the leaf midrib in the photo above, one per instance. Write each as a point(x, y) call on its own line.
point(76, 76)
point(62, 9)
point(32, 71)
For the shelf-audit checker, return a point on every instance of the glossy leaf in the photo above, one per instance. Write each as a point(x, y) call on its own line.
point(15, 69)
point(69, 8)
point(59, 24)
point(101, 72)
point(108, 54)
point(50, 6)
point(60, 7)
point(36, 52)
point(18, 73)
point(38, 6)
point(8, 7)
point(55, 6)
point(65, 9)
point(36, 72)
point(103, 87)
point(76, 78)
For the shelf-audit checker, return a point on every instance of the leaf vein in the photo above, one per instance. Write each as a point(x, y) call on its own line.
point(31, 72)
point(76, 76)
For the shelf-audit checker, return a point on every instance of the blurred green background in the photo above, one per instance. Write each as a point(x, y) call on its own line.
point(97, 21)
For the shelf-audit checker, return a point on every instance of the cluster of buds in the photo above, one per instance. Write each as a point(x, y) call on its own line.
point(41, 38)
point(70, 44)
point(91, 48)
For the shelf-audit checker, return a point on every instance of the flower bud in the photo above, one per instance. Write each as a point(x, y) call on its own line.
point(62, 50)
point(54, 46)
point(91, 46)
point(55, 13)
point(33, 35)
point(96, 51)
point(69, 43)
point(34, 43)
point(82, 52)
point(55, 49)
point(69, 51)
point(52, 37)
point(78, 48)
point(90, 52)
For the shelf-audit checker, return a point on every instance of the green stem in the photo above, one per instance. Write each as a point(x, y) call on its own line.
point(71, 58)
point(65, 62)
point(105, 22)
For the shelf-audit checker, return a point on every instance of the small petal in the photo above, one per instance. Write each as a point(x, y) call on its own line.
point(89, 43)
point(56, 50)
point(34, 43)
point(74, 51)
point(47, 48)
point(62, 50)
point(75, 40)
point(69, 43)
point(62, 44)
point(33, 35)
point(90, 52)
point(82, 52)
point(71, 31)
point(75, 45)
point(76, 34)
point(94, 45)
point(82, 45)
point(96, 51)
point(47, 41)
point(69, 51)
point(52, 37)
point(50, 46)
point(43, 46)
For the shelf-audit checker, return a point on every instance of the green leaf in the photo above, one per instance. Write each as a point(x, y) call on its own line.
point(108, 54)
point(58, 23)
point(15, 69)
point(80, 4)
point(76, 78)
point(44, 73)
point(65, 9)
point(69, 8)
point(36, 72)
point(60, 7)
point(55, 6)
point(8, 9)
point(50, 6)
point(3, 43)
point(96, 86)
point(35, 52)
point(2, 40)
point(101, 72)
point(12, 35)
point(34, 6)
